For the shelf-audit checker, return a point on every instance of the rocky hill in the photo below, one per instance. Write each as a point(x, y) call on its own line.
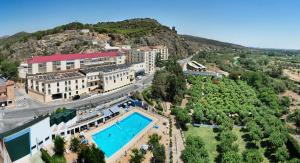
point(72, 38)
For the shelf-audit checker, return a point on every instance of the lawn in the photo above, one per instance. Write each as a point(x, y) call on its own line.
point(209, 137)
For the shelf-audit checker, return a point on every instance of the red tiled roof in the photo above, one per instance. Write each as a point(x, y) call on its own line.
point(64, 57)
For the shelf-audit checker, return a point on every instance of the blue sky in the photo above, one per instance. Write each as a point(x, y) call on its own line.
point(256, 23)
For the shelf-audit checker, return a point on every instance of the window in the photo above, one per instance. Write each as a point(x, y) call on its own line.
point(66, 82)
point(76, 81)
point(42, 67)
point(47, 138)
point(70, 64)
point(57, 90)
point(66, 89)
point(76, 86)
point(69, 82)
point(57, 84)
point(41, 142)
point(56, 66)
point(77, 92)
point(33, 147)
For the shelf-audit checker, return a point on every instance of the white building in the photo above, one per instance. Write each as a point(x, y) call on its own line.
point(148, 55)
point(48, 87)
point(19, 144)
point(62, 62)
point(145, 55)
point(108, 78)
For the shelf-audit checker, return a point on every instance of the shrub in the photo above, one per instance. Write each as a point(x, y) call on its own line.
point(59, 145)
point(75, 143)
point(46, 157)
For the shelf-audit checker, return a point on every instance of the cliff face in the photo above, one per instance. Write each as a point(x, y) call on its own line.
point(70, 38)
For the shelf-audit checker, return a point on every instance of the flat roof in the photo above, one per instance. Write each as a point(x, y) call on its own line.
point(48, 77)
point(65, 57)
point(15, 129)
point(104, 68)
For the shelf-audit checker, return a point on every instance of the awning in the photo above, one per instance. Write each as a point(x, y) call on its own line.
point(115, 109)
point(106, 112)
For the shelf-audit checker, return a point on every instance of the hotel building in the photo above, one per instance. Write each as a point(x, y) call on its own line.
point(147, 55)
point(62, 62)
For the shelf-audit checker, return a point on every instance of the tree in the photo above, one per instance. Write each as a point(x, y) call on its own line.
point(281, 154)
point(277, 139)
point(254, 131)
point(90, 154)
point(195, 151)
point(9, 69)
point(169, 84)
point(154, 140)
point(59, 145)
point(159, 154)
point(75, 143)
point(295, 117)
point(160, 85)
point(231, 157)
point(252, 156)
point(285, 102)
point(182, 116)
point(137, 156)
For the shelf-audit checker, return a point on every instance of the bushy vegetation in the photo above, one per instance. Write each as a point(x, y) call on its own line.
point(195, 151)
point(90, 154)
point(59, 145)
point(9, 69)
point(169, 84)
point(158, 150)
point(137, 156)
point(295, 117)
point(233, 102)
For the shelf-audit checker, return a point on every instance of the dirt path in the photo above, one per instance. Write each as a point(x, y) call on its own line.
point(178, 144)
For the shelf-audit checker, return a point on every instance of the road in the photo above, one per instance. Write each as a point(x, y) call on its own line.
point(95, 100)
point(28, 108)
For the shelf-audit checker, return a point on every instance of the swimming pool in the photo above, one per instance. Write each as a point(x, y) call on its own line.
point(113, 138)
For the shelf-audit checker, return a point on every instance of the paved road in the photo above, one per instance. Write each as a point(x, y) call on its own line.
point(10, 114)
point(27, 108)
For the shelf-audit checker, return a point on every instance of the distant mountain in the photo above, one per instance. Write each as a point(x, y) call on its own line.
point(70, 38)
point(208, 44)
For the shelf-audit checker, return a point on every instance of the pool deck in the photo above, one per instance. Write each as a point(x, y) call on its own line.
point(121, 152)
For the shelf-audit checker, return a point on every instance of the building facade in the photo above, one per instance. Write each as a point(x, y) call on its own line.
point(148, 55)
point(49, 87)
point(62, 62)
point(7, 93)
point(33, 135)
point(108, 78)
point(162, 51)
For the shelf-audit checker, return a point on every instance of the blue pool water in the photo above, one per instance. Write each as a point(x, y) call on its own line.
point(113, 138)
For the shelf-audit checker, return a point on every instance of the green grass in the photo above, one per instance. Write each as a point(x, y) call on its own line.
point(209, 137)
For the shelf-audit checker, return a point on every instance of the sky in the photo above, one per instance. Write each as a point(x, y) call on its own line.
point(255, 23)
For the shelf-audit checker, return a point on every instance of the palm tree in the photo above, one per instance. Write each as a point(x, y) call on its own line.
point(137, 156)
